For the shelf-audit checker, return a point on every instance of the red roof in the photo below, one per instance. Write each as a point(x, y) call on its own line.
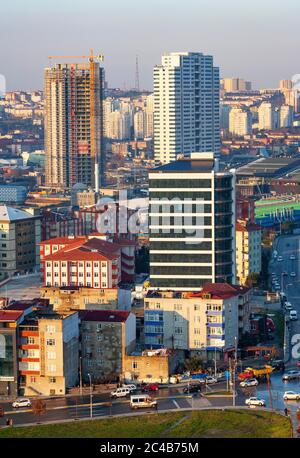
point(10, 315)
point(113, 316)
point(64, 240)
point(87, 249)
point(224, 290)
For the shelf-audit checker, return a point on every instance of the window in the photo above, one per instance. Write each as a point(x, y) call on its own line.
point(51, 368)
point(134, 365)
point(50, 328)
point(51, 355)
point(52, 380)
point(32, 379)
point(30, 340)
point(50, 342)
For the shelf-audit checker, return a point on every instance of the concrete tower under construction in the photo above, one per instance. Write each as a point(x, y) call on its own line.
point(74, 124)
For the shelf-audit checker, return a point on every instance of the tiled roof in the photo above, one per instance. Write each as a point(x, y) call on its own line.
point(10, 315)
point(93, 249)
point(113, 316)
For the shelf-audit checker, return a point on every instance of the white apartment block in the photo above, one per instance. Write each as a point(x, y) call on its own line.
point(186, 106)
point(240, 121)
point(266, 116)
point(201, 321)
point(286, 116)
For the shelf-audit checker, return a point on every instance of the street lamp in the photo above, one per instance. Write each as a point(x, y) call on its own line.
point(91, 396)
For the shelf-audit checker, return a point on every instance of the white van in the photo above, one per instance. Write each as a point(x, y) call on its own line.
point(293, 315)
point(120, 393)
point(141, 400)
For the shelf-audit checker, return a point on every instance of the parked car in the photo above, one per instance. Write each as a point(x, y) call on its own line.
point(293, 315)
point(277, 364)
point(293, 274)
point(192, 388)
point(211, 380)
point(21, 402)
point(120, 393)
point(138, 401)
point(291, 396)
point(280, 258)
point(291, 375)
point(249, 382)
point(255, 402)
point(288, 306)
point(131, 386)
point(150, 387)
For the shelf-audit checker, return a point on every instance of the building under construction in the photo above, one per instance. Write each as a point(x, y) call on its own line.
point(74, 123)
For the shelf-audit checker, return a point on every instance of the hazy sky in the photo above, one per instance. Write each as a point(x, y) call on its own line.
point(258, 41)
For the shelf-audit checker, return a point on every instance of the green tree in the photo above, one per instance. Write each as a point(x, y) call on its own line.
point(193, 364)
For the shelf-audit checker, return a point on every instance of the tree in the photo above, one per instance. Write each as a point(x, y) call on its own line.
point(38, 407)
point(193, 364)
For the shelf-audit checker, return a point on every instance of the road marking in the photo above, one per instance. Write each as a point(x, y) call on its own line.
point(176, 403)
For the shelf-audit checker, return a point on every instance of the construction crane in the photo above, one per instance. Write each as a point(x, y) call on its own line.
point(93, 142)
point(91, 58)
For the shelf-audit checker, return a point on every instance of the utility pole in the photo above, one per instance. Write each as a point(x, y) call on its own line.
point(91, 396)
point(80, 374)
point(215, 361)
point(270, 392)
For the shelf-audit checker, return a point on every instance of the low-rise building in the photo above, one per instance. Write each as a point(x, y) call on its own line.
point(155, 366)
point(20, 235)
point(106, 336)
point(201, 322)
point(48, 348)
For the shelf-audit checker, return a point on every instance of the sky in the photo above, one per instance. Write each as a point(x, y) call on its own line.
point(257, 40)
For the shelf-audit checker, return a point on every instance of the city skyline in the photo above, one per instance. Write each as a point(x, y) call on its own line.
point(142, 32)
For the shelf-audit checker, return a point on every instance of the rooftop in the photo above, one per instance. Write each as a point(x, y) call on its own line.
point(10, 315)
point(269, 167)
point(113, 316)
point(11, 214)
point(188, 164)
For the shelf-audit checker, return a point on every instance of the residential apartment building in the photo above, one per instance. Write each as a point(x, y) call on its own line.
point(20, 235)
point(266, 116)
point(192, 224)
point(204, 321)
point(235, 85)
point(248, 250)
point(240, 121)
point(106, 336)
point(74, 124)
point(286, 116)
point(87, 261)
point(186, 106)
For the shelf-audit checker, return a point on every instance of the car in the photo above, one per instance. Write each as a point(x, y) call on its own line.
point(195, 388)
point(280, 258)
point(131, 386)
point(278, 365)
point(293, 315)
point(291, 396)
point(255, 402)
point(210, 380)
point(292, 257)
point(293, 274)
point(138, 401)
point(120, 393)
point(291, 375)
point(249, 382)
point(288, 306)
point(150, 387)
point(21, 402)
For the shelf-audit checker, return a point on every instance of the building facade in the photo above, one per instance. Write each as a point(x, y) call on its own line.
point(248, 250)
point(74, 124)
point(192, 224)
point(202, 322)
point(186, 106)
point(106, 335)
point(20, 235)
point(240, 122)
point(266, 116)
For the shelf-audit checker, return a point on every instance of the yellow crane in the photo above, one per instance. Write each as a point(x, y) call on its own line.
point(91, 57)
